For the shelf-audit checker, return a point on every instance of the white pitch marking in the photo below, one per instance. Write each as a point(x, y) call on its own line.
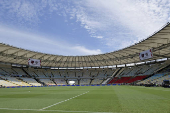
point(54, 110)
point(59, 102)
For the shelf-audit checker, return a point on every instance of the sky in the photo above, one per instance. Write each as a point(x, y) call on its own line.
point(80, 27)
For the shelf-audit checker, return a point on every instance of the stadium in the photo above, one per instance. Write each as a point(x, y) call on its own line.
point(130, 80)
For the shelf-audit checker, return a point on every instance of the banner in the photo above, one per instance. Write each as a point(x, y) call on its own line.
point(146, 54)
point(34, 62)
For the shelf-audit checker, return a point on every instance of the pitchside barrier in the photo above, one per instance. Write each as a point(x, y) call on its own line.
point(59, 85)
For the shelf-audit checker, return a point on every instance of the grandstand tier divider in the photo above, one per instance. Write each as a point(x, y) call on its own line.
point(106, 81)
point(54, 81)
point(115, 73)
point(37, 79)
point(102, 82)
point(109, 79)
point(26, 72)
point(120, 71)
point(45, 74)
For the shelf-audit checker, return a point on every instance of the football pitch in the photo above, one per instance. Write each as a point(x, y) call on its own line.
point(85, 99)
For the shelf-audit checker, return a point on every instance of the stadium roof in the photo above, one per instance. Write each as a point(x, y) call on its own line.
point(159, 42)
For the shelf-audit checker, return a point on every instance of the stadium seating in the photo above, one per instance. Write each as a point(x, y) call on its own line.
point(40, 73)
point(30, 71)
point(94, 74)
point(3, 72)
point(55, 74)
point(79, 73)
point(8, 70)
point(160, 80)
point(44, 76)
point(19, 71)
point(152, 79)
point(86, 73)
point(105, 81)
point(113, 80)
point(122, 80)
point(101, 74)
point(109, 72)
point(64, 73)
point(47, 81)
point(126, 79)
point(71, 74)
point(135, 79)
point(47, 73)
point(97, 81)
point(7, 83)
point(15, 81)
point(31, 81)
point(60, 81)
point(85, 81)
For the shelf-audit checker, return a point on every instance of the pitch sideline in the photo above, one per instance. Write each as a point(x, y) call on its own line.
point(54, 110)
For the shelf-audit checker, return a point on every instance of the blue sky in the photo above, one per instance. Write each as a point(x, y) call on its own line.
point(80, 27)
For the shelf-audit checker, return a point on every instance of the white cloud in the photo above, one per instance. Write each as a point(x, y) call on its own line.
point(41, 43)
point(27, 12)
point(104, 18)
point(82, 49)
point(117, 23)
point(99, 36)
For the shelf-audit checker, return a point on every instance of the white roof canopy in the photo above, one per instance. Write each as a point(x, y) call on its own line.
point(159, 43)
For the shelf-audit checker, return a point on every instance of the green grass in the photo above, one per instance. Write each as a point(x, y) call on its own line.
point(115, 99)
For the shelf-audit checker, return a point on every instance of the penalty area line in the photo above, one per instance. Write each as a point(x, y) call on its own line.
point(63, 101)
